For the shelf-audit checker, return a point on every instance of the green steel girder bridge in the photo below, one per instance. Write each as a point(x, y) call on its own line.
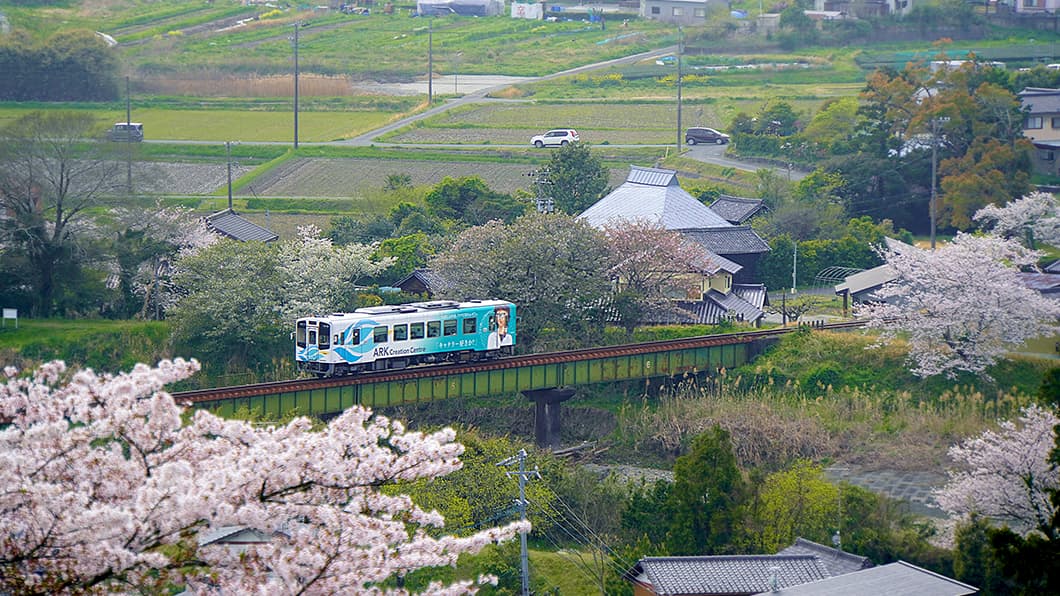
point(547, 379)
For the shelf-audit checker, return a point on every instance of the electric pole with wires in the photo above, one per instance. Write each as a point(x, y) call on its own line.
point(523, 474)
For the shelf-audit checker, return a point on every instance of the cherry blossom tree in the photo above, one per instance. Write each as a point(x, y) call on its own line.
point(320, 277)
point(961, 306)
point(145, 245)
point(653, 264)
point(105, 488)
point(1007, 474)
point(1034, 218)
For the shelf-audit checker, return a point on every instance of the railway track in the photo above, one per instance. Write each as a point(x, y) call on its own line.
point(294, 385)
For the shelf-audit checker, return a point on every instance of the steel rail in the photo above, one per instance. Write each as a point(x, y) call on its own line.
point(420, 372)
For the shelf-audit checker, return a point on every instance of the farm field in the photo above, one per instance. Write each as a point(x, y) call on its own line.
point(308, 177)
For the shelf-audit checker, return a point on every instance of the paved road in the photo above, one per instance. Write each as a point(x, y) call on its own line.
point(478, 88)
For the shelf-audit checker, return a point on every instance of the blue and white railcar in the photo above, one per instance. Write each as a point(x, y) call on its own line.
point(397, 336)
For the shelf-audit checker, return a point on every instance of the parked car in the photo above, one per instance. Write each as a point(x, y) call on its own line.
point(555, 138)
point(698, 134)
point(126, 132)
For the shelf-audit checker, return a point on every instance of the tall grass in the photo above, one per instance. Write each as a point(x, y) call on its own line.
point(772, 424)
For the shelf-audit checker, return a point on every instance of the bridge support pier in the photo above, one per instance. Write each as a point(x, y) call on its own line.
point(547, 415)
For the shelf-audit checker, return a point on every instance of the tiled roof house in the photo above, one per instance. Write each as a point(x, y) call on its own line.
point(731, 290)
point(729, 575)
point(737, 210)
point(230, 224)
point(1042, 126)
point(803, 569)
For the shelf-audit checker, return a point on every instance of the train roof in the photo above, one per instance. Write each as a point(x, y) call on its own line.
point(413, 307)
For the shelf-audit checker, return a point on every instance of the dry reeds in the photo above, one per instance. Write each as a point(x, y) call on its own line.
point(220, 85)
point(772, 425)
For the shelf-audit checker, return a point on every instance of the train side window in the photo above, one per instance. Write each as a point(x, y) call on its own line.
point(449, 327)
point(300, 333)
point(379, 334)
point(401, 332)
point(325, 336)
point(312, 337)
point(354, 337)
point(469, 325)
point(416, 331)
point(434, 328)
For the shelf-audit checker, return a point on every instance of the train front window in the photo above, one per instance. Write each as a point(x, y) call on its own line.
point(325, 336)
point(449, 327)
point(416, 331)
point(469, 326)
point(379, 334)
point(401, 332)
point(312, 337)
point(300, 333)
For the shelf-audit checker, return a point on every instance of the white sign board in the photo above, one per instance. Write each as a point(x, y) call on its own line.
point(11, 313)
point(522, 10)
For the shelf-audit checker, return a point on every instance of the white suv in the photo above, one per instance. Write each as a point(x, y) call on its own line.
point(555, 138)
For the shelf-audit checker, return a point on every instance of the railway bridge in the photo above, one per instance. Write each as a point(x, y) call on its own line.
point(546, 379)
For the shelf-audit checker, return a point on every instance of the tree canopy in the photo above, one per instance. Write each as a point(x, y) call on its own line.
point(105, 489)
point(552, 266)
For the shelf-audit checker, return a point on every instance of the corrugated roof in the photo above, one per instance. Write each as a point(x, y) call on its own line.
point(230, 224)
point(836, 561)
point(893, 579)
point(736, 210)
point(866, 280)
point(652, 195)
point(737, 574)
point(728, 240)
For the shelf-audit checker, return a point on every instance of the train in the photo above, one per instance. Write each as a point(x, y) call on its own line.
point(398, 336)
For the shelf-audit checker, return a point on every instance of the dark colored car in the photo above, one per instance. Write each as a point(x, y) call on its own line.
point(697, 134)
point(127, 132)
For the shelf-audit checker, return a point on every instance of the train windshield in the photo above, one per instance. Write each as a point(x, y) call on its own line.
point(325, 336)
point(300, 334)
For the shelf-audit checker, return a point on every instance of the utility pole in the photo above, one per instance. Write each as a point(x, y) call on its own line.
point(523, 474)
point(128, 138)
point(430, 60)
point(934, 166)
point(680, 50)
point(297, 26)
point(542, 196)
point(228, 156)
point(794, 265)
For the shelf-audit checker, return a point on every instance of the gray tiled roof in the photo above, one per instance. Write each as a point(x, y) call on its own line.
point(836, 561)
point(753, 294)
point(894, 579)
point(1053, 267)
point(729, 240)
point(737, 574)
point(736, 210)
point(653, 195)
point(1045, 283)
point(714, 308)
point(429, 279)
point(1040, 101)
point(228, 223)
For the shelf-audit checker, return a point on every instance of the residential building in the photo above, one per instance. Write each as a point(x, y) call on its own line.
point(729, 289)
point(1036, 6)
point(232, 225)
point(1042, 126)
point(680, 12)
